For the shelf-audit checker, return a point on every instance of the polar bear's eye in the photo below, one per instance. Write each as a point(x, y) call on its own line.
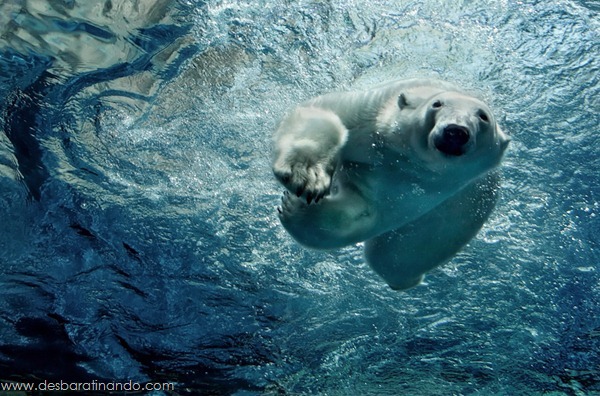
point(437, 104)
point(483, 117)
point(402, 103)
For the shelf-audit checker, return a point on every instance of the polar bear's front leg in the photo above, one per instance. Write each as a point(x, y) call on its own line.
point(338, 220)
point(307, 148)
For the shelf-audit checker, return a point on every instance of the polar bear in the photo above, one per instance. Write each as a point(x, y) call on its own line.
point(406, 168)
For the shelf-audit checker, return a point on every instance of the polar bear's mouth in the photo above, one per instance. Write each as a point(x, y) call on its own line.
point(452, 140)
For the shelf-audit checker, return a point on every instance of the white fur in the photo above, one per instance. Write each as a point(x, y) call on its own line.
point(364, 166)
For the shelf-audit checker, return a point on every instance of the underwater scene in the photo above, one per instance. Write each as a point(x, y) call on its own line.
point(140, 238)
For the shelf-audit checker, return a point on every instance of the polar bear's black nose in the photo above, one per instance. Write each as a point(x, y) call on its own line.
point(452, 140)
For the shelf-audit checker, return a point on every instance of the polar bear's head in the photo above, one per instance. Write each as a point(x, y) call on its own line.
point(443, 130)
point(457, 130)
point(460, 124)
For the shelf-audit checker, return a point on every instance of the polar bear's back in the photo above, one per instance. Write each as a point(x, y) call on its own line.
point(355, 108)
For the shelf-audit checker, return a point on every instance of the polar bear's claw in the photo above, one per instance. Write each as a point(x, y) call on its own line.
point(289, 206)
point(310, 182)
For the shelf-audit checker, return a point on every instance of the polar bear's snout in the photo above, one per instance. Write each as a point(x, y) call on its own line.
point(452, 140)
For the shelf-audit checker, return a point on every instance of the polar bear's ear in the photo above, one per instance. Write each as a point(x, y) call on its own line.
point(402, 103)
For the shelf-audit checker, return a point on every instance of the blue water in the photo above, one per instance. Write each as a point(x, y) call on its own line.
point(139, 235)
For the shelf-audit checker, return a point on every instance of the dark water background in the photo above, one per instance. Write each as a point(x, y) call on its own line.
point(139, 238)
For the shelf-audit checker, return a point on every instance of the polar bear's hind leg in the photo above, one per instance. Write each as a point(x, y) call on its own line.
point(402, 256)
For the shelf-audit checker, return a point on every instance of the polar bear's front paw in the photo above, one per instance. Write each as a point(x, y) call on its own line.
point(288, 204)
point(311, 182)
point(290, 207)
